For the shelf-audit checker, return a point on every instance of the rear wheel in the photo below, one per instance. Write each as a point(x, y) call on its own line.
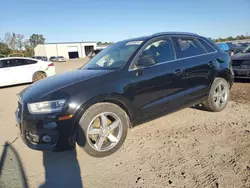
point(38, 76)
point(103, 129)
point(218, 96)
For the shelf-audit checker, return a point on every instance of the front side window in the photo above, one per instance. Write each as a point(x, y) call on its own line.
point(114, 56)
point(187, 47)
point(161, 51)
point(2, 64)
point(10, 63)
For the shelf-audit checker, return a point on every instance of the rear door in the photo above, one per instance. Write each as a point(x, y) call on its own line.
point(199, 68)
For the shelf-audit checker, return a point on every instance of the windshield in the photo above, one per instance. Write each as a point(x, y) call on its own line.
point(60, 56)
point(114, 56)
point(247, 50)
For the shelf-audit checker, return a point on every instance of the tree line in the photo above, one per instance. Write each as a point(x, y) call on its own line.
point(14, 43)
point(238, 37)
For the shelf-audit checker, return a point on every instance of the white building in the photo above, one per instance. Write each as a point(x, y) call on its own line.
point(69, 50)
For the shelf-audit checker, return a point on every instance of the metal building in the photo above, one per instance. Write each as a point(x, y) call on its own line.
point(69, 50)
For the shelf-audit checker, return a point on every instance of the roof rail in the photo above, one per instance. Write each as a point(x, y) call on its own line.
point(174, 33)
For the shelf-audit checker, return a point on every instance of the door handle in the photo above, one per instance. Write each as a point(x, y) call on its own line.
point(178, 71)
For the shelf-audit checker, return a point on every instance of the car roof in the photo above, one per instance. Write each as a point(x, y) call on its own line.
point(160, 34)
point(6, 58)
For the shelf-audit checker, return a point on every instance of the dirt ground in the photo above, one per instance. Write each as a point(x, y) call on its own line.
point(189, 148)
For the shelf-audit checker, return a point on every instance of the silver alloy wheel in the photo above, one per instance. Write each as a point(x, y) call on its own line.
point(104, 136)
point(220, 95)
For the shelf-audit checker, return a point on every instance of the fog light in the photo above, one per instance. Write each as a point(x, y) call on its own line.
point(46, 138)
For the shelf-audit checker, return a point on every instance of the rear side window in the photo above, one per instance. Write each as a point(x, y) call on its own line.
point(187, 47)
point(208, 47)
point(21, 62)
point(161, 51)
point(31, 61)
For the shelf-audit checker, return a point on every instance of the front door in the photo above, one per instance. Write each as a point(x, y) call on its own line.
point(154, 87)
point(6, 77)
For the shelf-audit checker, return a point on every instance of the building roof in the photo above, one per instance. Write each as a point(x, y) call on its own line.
point(70, 42)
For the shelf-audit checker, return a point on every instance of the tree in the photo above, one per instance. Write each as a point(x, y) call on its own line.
point(10, 40)
point(20, 41)
point(104, 43)
point(4, 49)
point(36, 39)
point(29, 50)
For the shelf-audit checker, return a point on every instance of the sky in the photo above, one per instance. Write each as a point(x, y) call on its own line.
point(114, 20)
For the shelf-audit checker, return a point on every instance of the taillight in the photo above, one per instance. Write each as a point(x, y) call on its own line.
point(51, 64)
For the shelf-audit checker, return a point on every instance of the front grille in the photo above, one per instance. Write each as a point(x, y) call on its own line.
point(237, 62)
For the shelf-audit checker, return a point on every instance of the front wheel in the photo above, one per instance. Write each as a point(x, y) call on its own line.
point(102, 129)
point(218, 96)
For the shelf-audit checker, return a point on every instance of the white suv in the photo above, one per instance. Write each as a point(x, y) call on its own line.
point(17, 70)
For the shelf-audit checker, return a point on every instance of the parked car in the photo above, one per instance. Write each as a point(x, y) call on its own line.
point(43, 58)
point(17, 70)
point(129, 80)
point(241, 63)
point(238, 48)
point(227, 47)
point(94, 53)
point(61, 59)
point(53, 58)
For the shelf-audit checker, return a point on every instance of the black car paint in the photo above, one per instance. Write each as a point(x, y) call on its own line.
point(139, 91)
point(241, 65)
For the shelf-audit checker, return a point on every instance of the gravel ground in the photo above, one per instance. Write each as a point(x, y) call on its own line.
point(189, 148)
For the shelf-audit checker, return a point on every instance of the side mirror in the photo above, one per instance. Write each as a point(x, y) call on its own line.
point(146, 60)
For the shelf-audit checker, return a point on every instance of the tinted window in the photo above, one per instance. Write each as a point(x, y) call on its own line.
point(1, 64)
point(186, 47)
point(20, 62)
point(160, 50)
point(206, 46)
point(31, 61)
point(8, 63)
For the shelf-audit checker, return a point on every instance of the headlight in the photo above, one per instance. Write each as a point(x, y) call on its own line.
point(46, 107)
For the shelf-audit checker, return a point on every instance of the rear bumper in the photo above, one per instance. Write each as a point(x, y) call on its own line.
point(51, 71)
point(61, 60)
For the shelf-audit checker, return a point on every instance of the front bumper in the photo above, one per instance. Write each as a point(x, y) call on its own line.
point(241, 72)
point(44, 133)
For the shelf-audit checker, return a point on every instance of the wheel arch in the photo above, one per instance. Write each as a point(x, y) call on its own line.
point(117, 99)
point(37, 72)
point(227, 75)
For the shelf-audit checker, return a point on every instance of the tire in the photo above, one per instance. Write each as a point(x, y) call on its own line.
point(218, 96)
point(113, 137)
point(38, 76)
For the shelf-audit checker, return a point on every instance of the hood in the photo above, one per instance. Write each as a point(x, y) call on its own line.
point(241, 56)
point(51, 84)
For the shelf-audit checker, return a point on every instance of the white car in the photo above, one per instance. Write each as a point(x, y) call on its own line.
point(17, 70)
point(61, 59)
